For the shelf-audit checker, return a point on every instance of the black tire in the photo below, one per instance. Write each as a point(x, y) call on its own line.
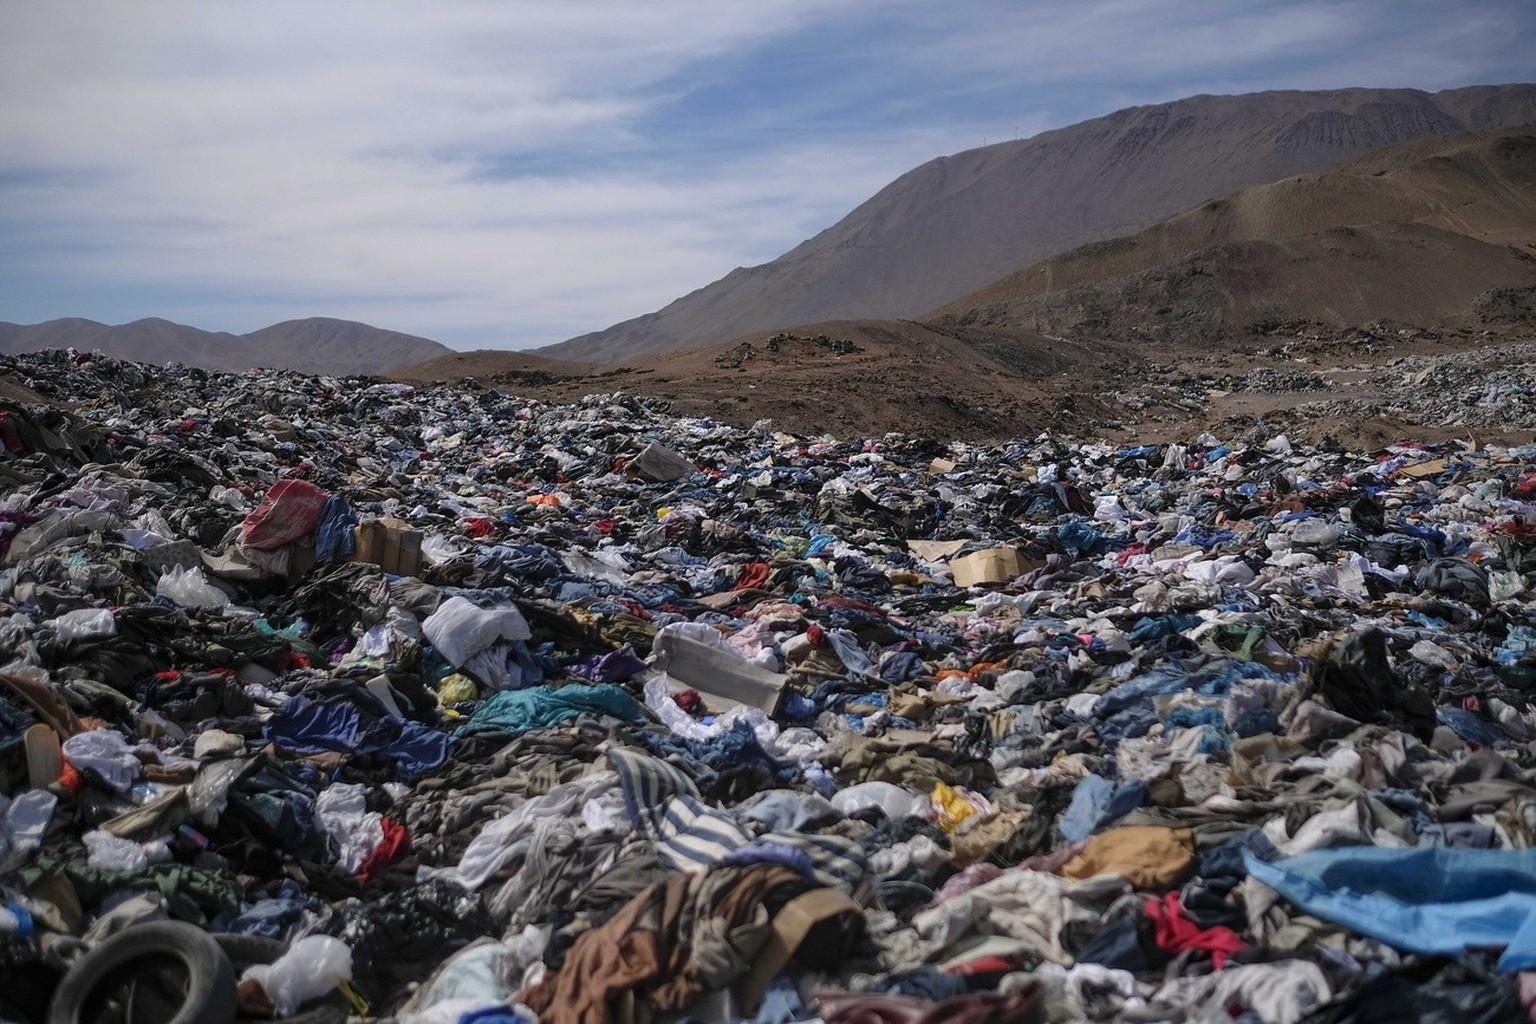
point(248, 950)
point(165, 971)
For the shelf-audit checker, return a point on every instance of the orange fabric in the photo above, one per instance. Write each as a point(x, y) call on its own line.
point(1149, 856)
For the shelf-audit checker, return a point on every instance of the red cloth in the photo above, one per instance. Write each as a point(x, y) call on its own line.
point(397, 841)
point(9, 435)
point(289, 511)
point(70, 779)
point(1176, 933)
point(753, 575)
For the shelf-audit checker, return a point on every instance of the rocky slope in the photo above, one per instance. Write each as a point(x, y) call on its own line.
point(1433, 233)
point(956, 223)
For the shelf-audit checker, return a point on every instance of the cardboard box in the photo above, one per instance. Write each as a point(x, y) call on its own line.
point(724, 678)
point(390, 544)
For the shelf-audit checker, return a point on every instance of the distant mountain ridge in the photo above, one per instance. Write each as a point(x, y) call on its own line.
point(313, 345)
point(959, 222)
point(1426, 233)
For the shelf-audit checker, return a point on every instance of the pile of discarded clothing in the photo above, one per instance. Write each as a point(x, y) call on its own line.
point(328, 698)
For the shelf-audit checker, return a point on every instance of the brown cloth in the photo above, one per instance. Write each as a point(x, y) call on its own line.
point(44, 701)
point(683, 936)
point(1149, 856)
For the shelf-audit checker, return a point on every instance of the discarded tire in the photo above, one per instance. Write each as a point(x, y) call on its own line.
point(248, 950)
point(164, 971)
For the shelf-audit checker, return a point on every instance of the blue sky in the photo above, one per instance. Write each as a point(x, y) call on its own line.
point(510, 174)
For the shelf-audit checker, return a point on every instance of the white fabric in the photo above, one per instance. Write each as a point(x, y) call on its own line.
point(343, 813)
point(23, 823)
point(1035, 907)
point(497, 842)
point(1279, 993)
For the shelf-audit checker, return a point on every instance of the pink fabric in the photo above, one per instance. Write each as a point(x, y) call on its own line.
point(1527, 982)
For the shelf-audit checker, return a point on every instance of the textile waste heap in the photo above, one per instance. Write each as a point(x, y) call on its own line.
point(330, 698)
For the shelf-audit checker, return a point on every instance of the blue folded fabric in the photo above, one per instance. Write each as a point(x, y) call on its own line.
point(1434, 900)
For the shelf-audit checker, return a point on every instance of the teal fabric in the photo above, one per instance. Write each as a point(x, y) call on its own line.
point(518, 711)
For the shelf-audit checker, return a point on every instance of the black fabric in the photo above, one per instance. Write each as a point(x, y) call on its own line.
point(1437, 992)
point(1356, 679)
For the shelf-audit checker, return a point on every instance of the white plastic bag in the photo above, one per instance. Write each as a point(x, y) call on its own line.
point(459, 629)
point(112, 853)
point(107, 754)
point(84, 624)
point(1505, 585)
point(189, 588)
point(312, 967)
point(23, 824)
point(895, 801)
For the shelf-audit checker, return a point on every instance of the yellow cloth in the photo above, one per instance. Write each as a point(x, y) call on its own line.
point(950, 806)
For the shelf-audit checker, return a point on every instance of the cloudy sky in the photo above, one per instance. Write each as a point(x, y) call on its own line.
point(510, 173)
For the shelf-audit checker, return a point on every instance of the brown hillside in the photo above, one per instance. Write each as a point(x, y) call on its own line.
point(491, 362)
point(1295, 302)
point(1415, 234)
point(956, 223)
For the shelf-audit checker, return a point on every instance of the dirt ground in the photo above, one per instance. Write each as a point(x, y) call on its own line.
point(1361, 388)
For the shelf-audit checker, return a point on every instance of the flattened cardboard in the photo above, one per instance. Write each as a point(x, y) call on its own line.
point(934, 550)
point(994, 565)
point(1419, 470)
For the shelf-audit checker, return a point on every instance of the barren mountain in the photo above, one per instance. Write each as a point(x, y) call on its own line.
point(315, 345)
point(1270, 302)
point(956, 223)
point(1417, 234)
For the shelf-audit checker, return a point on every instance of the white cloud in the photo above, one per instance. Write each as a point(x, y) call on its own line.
point(331, 153)
point(485, 171)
